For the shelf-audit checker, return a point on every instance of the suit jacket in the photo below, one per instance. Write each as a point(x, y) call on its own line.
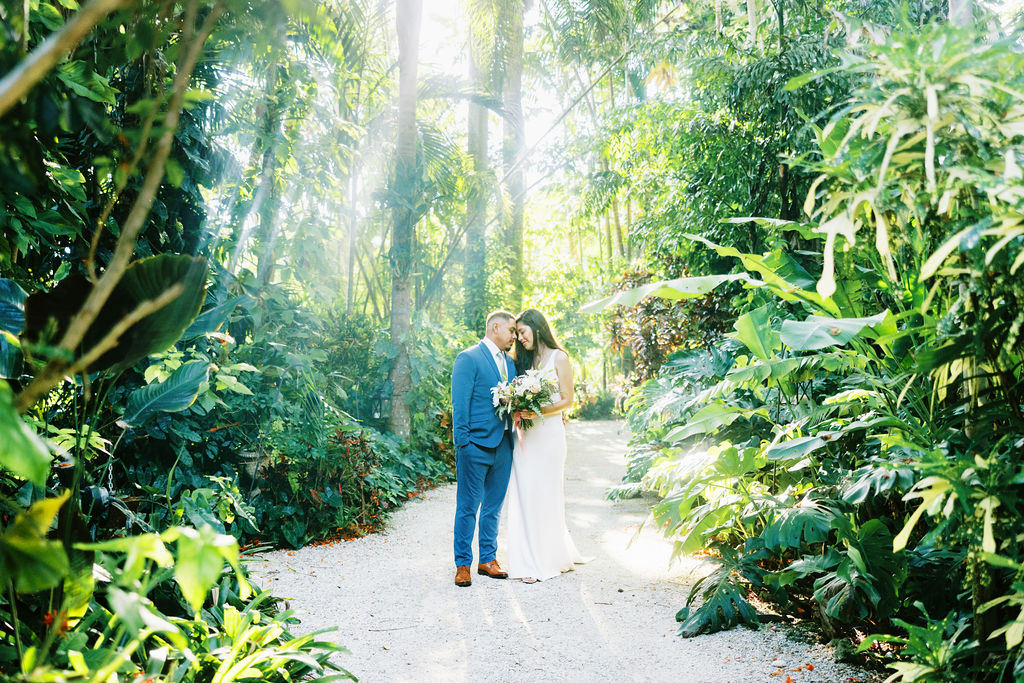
point(473, 417)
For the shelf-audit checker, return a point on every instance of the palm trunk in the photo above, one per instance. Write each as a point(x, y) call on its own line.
point(629, 224)
point(607, 245)
point(751, 23)
point(514, 143)
point(407, 20)
point(961, 12)
point(353, 227)
point(475, 274)
point(264, 149)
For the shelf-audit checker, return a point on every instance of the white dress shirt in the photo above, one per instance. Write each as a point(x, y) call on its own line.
point(499, 358)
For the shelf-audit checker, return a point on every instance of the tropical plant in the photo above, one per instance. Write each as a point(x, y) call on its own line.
point(858, 442)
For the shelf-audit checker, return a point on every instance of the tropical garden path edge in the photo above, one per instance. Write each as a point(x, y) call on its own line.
point(391, 597)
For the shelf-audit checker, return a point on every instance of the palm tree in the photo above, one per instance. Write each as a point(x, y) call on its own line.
point(481, 41)
point(510, 38)
point(404, 197)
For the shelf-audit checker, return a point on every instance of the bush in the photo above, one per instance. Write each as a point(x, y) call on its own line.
point(344, 488)
point(594, 404)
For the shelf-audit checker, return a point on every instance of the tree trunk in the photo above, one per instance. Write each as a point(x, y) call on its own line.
point(629, 225)
point(350, 284)
point(370, 296)
point(264, 149)
point(405, 186)
point(961, 12)
point(474, 283)
point(353, 193)
point(510, 30)
point(607, 244)
point(268, 234)
point(615, 200)
point(751, 23)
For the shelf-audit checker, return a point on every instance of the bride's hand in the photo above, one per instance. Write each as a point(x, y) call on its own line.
point(527, 415)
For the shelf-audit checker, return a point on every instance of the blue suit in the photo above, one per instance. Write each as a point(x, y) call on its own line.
point(483, 452)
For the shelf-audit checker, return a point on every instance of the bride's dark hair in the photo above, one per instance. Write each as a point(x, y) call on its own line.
point(541, 332)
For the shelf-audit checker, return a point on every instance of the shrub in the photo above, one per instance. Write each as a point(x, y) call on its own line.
point(594, 404)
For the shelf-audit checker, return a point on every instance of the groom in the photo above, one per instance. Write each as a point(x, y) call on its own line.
point(483, 446)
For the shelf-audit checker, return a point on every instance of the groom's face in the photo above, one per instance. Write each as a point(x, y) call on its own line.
point(503, 333)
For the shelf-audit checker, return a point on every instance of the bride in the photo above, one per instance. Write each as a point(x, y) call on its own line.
point(539, 545)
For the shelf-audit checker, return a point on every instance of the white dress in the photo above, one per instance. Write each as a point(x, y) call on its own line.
point(539, 545)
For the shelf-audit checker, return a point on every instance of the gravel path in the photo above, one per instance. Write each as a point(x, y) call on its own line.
point(392, 599)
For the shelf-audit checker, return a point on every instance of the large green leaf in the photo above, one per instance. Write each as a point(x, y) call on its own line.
point(794, 449)
point(866, 582)
point(12, 306)
point(818, 333)
point(200, 559)
point(786, 267)
point(27, 557)
point(736, 462)
point(781, 273)
point(706, 420)
point(211, 319)
point(806, 523)
point(137, 612)
point(755, 331)
point(78, 76)
point(47, 314)
point(12, 320)
point(681, 288)
point(883, 478)
point(723, 592)
point(173, 395)
point(138, 551)
point(22, 452)
point(10, 355)
point(148, 279)
point(778, 368)
point(774, 272)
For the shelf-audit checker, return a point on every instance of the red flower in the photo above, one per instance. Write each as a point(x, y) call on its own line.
point(60, 618)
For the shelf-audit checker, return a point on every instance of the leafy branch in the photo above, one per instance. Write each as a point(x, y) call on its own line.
point(59, 366)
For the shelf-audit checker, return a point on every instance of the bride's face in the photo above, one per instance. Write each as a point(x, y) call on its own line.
point(525, 333)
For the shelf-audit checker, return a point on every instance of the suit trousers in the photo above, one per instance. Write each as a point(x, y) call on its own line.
point(482, 474)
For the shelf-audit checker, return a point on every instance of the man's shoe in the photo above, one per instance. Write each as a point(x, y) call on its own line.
point(492, 570)
point(462, 577)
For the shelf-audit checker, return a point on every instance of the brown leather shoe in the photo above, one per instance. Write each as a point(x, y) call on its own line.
point(492, 570)
point(462, 577)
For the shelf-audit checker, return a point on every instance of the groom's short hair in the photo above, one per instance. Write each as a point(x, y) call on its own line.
point(498, 315)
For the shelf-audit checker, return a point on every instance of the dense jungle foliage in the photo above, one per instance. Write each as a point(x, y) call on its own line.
point(242, 242)
point(847, 444)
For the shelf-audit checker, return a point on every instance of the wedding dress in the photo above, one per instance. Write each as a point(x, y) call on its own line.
point(539, 545)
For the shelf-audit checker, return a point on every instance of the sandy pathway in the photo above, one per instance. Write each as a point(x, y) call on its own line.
point(392, 598)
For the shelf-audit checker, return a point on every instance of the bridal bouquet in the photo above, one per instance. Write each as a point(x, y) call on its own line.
point(525, 393)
